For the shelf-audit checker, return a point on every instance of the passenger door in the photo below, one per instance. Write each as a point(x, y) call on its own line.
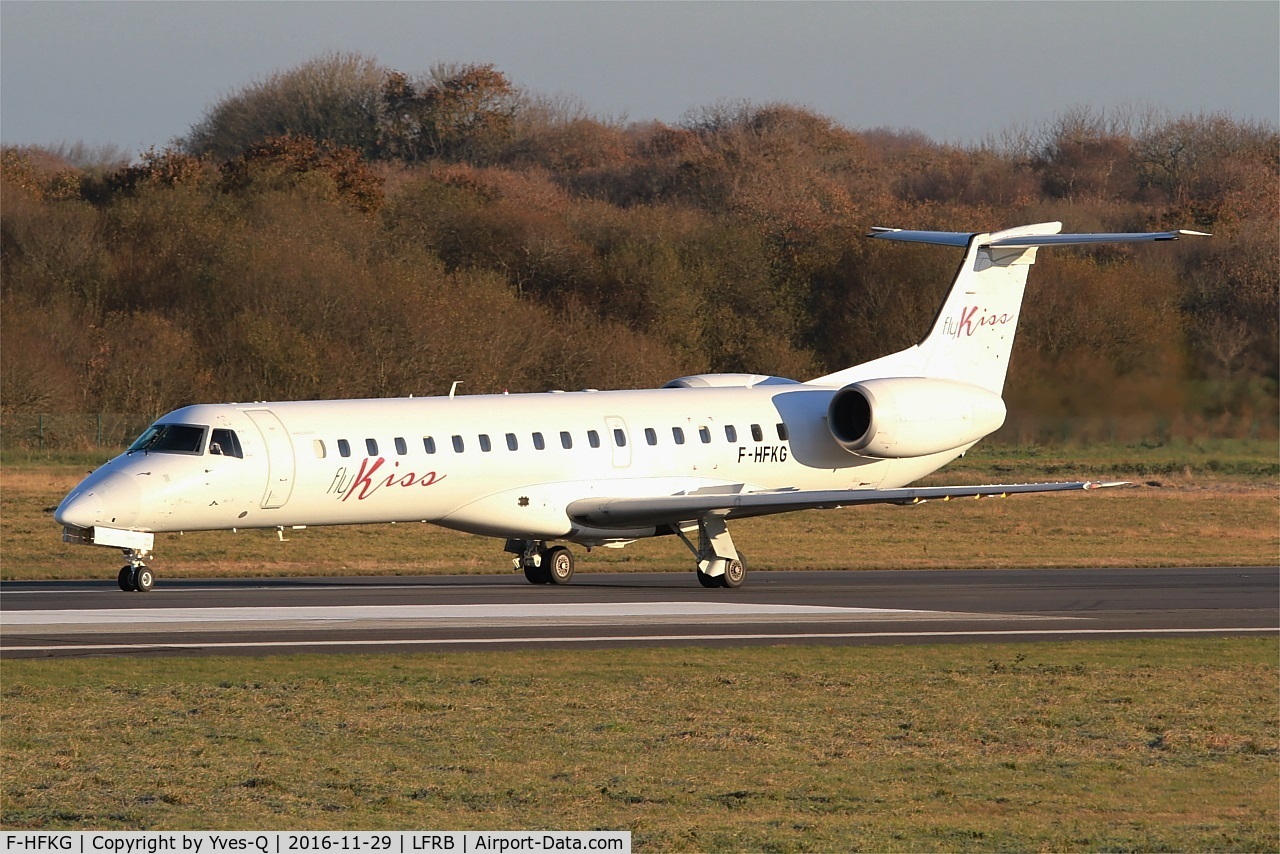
point(279, 457)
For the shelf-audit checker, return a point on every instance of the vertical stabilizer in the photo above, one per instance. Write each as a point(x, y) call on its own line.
point(972, 336)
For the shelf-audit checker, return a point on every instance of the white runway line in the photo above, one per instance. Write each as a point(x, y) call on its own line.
point(346, 613)
point(436, 642)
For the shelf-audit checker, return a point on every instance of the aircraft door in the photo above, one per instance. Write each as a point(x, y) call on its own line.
point(619, 441)
point(279, 457)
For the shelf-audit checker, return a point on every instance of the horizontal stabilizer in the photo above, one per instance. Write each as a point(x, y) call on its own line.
point(1077, 239)
point(1026, 237)
point(937, 238)
point(670, 509)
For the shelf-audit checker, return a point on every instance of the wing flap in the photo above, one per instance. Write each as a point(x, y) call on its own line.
point(670, 509)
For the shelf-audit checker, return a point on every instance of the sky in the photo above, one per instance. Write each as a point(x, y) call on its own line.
point(140, 74)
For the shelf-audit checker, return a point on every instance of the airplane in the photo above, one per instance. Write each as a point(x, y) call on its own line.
point(595, 468)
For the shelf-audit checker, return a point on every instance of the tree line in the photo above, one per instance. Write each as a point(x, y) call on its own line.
point(344, 229)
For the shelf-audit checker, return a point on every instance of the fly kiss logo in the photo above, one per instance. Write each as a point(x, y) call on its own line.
point(362, 484)
point(974, 318)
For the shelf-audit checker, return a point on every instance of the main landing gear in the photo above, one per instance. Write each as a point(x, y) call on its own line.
point(730, 573)
point(720, 564)
point(135, 576)
point(542, 565)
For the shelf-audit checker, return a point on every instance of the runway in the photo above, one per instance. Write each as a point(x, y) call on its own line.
point(283, 615)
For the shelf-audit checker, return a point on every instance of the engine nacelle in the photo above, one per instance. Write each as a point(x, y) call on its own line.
point(911, 416)
point(728, 381)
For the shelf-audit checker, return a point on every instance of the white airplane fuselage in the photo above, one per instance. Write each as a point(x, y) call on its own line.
point(451, 461)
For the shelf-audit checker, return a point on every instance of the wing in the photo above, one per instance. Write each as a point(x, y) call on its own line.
point(670, 509)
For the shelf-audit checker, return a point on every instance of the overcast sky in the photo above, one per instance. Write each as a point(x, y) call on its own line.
point(137, 74)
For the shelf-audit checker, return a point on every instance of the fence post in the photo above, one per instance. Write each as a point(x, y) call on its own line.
point(40, 431)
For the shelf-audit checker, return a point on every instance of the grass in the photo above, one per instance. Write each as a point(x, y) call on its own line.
point(1208, 504)
point(1117, 745)
point(1180, 462)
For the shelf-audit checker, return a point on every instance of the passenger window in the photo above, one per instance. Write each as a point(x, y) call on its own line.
point(757, 433)
point(677, 433)
point(485, 444)
point(429, 444)
point(318, 444)
point(619, 437)
point(704, 433)
point(513, 444)
point(782, 431)
point(650, 436)
point(344, 448)
point(731, 432)
point(593, 438)
point(538, 441)
point(371, 445)
point(401, 447)
point(457, 444)
point(566, 440)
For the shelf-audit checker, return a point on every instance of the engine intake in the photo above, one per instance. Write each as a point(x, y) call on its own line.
point(911, 416)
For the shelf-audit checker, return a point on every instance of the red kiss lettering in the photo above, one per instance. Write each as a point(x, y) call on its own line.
point(364, 485)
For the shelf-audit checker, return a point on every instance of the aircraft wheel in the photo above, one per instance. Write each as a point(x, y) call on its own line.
point(558, 564)
point(735, 571)
point(125, 579)
point(710, 580)
point(143, 579)
point(537, 574)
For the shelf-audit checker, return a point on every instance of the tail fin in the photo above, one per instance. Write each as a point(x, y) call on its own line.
point(972, 336)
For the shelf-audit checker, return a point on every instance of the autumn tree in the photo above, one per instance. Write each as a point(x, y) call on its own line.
point(460, 112)
point(334, 99)
point(291, 158)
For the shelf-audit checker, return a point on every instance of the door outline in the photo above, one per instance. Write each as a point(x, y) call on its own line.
point(621, 455)
point(280, 464)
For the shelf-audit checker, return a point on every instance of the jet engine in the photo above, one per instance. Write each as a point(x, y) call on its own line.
point(911, 416)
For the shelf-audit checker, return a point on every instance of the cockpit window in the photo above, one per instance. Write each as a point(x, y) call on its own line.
point(170, 439)
point(226, 443)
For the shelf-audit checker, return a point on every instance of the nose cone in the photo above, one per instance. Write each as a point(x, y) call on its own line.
point(112, 500)
point(80, 509)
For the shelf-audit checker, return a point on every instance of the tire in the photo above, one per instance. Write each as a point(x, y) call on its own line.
point(125, 579)
point(144, 579)
point(537, 574)
point(558, 564)
point(710, 580)
point(735, 572)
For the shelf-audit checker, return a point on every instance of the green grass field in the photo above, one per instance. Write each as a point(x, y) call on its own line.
point(1157, 745)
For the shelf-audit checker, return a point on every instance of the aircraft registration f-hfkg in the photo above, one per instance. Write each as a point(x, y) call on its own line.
point(596, 468)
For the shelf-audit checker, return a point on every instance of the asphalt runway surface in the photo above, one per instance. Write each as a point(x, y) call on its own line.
point(377, 614)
